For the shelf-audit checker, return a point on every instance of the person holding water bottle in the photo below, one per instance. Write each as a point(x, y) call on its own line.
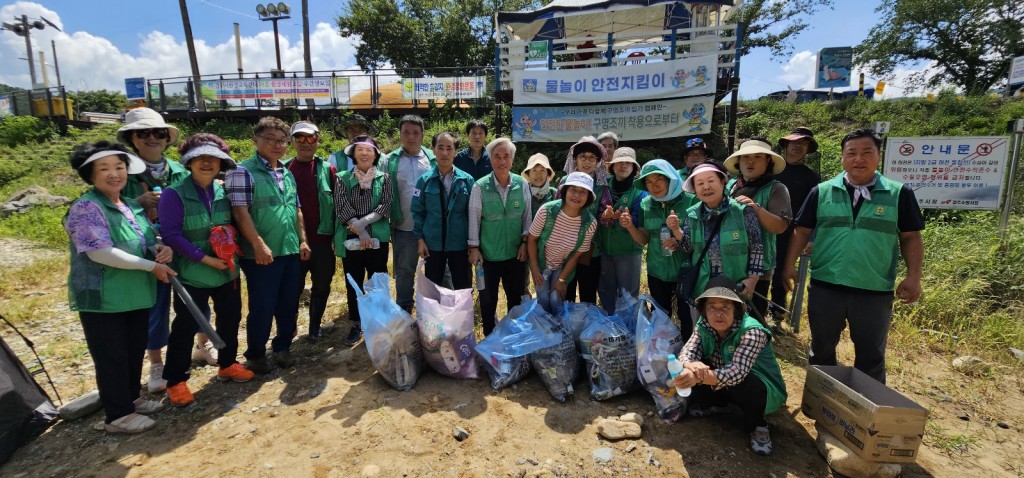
point(730, 359)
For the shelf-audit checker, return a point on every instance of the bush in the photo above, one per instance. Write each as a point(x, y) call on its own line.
point(15, 130)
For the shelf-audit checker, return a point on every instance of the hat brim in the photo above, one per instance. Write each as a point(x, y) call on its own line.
point(370, 127)
point(721, 293)
point(732, 162)
point(135, 164)
point(561, 193)
point(227, 162)
point(688, 182)
point(350, 151)
point(123, 133)
point(526, 172)
point(812, 148)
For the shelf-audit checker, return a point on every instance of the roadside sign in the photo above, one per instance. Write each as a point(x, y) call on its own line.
point(537, 50)
point(946, 172)
point(135, 88)
point(1017, 71)
point(835, 66)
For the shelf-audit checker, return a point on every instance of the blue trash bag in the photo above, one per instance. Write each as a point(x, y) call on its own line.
point(558, 365)
point(609, 350)
point(504, 351)
point(392, 340)
point(656, 338)
point(574, 316)
point(625, 308)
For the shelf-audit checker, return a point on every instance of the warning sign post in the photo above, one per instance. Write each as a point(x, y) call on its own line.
point(962, 172)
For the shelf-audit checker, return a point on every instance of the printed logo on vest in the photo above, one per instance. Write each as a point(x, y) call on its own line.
point(880, 210)
point(515, 203)
point(735, 236)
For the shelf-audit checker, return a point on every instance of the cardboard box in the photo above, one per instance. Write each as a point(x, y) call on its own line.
point(876, 422)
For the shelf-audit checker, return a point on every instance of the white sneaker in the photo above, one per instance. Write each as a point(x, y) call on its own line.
point(205, 353)
point(157, 383)
point(146, 407)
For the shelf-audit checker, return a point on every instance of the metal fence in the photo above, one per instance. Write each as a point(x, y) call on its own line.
point(44, 102)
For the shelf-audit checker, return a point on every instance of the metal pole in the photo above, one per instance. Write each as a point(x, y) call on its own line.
point(56, 67)
point(28, 50)
point(238, 56)
point(277, 45)
point(1008, 201)
point(797, 306)
point(734, 106)
point(42, 69)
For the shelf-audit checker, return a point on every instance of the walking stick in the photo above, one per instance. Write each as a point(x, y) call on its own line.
point(190, 304)
point(798, 292)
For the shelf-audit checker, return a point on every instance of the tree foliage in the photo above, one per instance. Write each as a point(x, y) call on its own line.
point(415, 36)
point(773, 24)
point(967, 43)
point(98, 101)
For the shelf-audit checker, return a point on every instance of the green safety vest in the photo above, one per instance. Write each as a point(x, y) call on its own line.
point(273, 211)
point(767, 238)
point(195, 227)
point(766, 367)
point(553, 208)
point(654, 213)
point(615, 240)
point(94, 287)
point(535, 203)
point(140, 183)
point(733, 243)
point(861, 252)
point(501, 224)
point(380, 230)
point(396, 206)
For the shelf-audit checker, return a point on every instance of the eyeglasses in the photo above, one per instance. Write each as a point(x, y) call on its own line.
point(274, 141)
point(695, 142)
point(158, 133)
point(586, 157)
point(302, 138)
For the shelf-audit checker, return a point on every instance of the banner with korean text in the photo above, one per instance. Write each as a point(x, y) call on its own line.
point(662, 79)
point(946, 172)
point(453, 88)
point(325, 87)
point(632, 121)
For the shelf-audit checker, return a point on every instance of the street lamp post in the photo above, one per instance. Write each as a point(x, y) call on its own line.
point(273, 12)
point(24, 28)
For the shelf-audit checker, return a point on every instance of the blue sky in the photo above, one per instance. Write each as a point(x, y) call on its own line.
point(104, 42)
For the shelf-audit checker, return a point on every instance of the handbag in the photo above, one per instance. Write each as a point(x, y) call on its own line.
point(687, 278)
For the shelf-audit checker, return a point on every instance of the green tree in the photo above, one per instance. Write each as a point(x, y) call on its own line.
point(98, 101)
point(966, 43)
point(773, 24)
point(419, 35)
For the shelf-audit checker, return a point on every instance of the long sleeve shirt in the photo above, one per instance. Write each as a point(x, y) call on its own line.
point(732, 373)
point(476, 206)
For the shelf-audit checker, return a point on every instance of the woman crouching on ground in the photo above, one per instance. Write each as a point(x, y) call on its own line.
point(111, 282)
point(190, 209)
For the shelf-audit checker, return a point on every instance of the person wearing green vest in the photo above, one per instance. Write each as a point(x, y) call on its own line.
point(665, 196)
point(440, 209)
point(736, 250)
point(265, 206)
point(561, 233)
point(589, 156)
point(499, 220)
point(146, 133)
point(862, 223)
point(112, 280)
point(756, 187)
point(404, 166)
point(190, 209)
point(362, 205)
point(731, 359)
point(314, 180)
point(621, 258)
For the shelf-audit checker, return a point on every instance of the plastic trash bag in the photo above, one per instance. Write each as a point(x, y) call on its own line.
point(505, 351)
point(558, 365)
point(445, 319)
point(392, 339)
point(574, 316)
point(657, 337)
point(625, 308)
point(610, 354)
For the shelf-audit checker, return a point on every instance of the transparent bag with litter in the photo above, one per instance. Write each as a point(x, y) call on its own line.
point(392, 340)
point(657, 337)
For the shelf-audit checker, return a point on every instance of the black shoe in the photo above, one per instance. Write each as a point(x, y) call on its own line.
point(314, 337)
point(354, 335)
point(284, 359)
point(259, 366)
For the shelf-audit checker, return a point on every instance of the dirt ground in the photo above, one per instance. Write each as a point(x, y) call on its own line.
point(332, 416)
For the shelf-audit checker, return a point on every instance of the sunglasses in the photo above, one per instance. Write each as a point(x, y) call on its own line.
point(158, 133)
point(305, 139)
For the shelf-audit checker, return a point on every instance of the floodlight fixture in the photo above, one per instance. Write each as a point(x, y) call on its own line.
point(261, 10)
point(283, 8)
point(272, 9)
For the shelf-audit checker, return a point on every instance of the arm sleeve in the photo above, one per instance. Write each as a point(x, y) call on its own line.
point(419, 207)
point(538, 222)
point(342, 207)
point(238, 186)
point(475, 210)
point(808, 215)
point(172, 218)
point(908, 212)
point(755, 259)
point(383, 210)
point(528, 210)
point(691, 351)
point(116, 258)
point(733, 373)
point(779, 203)
point(87, 227)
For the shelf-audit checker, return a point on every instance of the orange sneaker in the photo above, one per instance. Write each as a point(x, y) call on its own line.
point(179, 394)
point(236, 373)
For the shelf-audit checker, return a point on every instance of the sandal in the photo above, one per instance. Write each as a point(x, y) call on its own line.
point(131, 423)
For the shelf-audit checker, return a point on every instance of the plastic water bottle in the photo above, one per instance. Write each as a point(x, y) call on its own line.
point(480, 284)
point(666, 236)
point(354, 244)
point(675, 367)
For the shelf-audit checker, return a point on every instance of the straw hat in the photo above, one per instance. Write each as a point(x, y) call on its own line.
point(534, 161)
point(755, 147)
point(145, 118)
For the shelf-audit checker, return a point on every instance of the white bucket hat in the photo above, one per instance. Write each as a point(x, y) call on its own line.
point(624, 154)
point(145, 118)
point(755, 147)
point(534, 161)
point(579, 179)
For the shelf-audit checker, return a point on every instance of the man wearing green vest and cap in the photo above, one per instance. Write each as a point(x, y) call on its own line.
point(863, 222)
point(265, 207)
point(314, 180)
point(405, 165)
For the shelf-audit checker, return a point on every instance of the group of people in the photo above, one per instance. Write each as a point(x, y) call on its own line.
point(712, 244)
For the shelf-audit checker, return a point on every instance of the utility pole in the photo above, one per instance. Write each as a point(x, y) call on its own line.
point(56, 67)
point(310, 103)
point(197, 85)
point(28, 50)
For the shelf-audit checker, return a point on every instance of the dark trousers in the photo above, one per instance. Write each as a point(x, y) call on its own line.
point(760, 304)
point(869, 315)
point(361, 265)
point(117, 343)
point(227, 304)
point(320, 267)
point(750, 395)
point(587, 279)
point(274, 292)
point(512, 276)
point(663, 293)
point(455, 261)
point(778, 284)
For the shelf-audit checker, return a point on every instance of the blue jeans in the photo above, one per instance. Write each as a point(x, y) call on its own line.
point(547, 297)
point(405, 247)
point(160, 318)
point(618, 272)
point(274, 291)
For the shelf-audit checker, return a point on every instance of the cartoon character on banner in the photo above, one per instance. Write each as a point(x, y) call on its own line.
point(696, 117)
point(700, 75)
point(526, 124)
point(679, 80)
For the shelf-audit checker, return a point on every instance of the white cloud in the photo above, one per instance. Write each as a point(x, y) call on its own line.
point(90, 62)
point(798, 73)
